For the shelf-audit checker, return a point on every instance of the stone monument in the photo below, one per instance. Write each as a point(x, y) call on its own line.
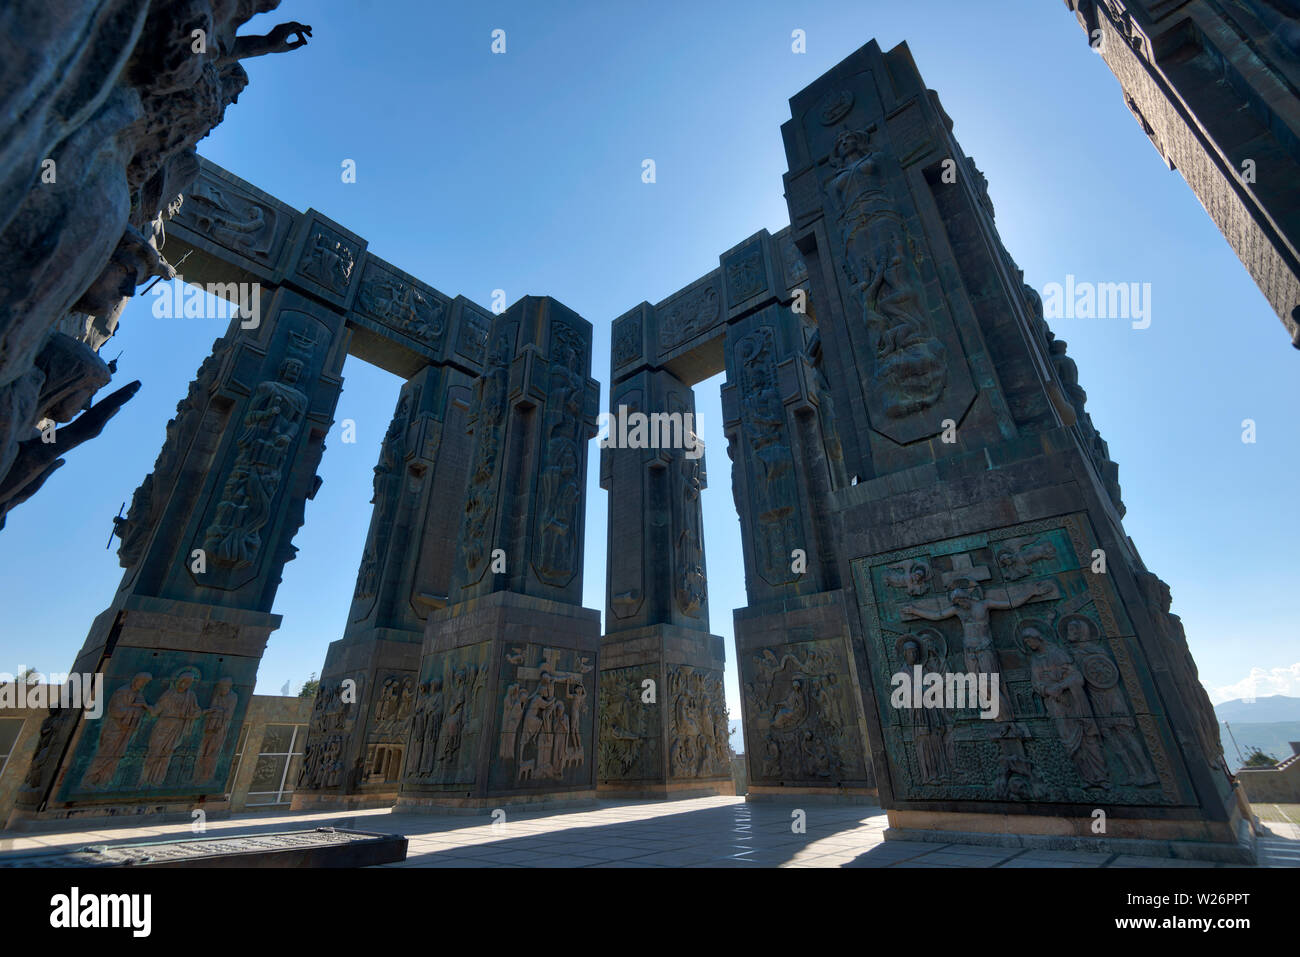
point(104, 102)
point(1214, 86)
point(982, 534)
point(504, 711)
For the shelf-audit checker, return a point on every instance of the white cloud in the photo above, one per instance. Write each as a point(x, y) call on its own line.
point(1260, 683)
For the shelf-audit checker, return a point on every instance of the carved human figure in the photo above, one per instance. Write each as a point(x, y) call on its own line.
point(772, 498)
point(50, 727)
point(122, 716)
point(453, 726)
point(270, 426)
point(387, 486)
point(511, 716)
point(535, 736)
point(793, 708)
point(560, 492)
point(234, 221)
point(691, 585)
point(816, 756)
point(329, 262)
point(419, 722)
point(966, 603)
point(1016, 559)
point(912, 576)
point(881, 264)
point(931, 727)
point(432, 728)
point(560, 495)
point(175, 713)
point(1060, 685)
point(217, 719)
point(490, 395)
point(1110, 707)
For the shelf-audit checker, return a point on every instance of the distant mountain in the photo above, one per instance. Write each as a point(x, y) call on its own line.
point(1267, 710)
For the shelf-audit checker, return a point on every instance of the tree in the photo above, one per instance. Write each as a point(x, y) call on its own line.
point(1257, 758)
point(30, 676)
point(310, 687)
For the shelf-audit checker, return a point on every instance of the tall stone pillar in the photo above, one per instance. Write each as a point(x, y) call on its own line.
point(804, 733)
point(356, 742)
point(504, 709)
point(204, 546)
point(663, 712)
point(982, 540)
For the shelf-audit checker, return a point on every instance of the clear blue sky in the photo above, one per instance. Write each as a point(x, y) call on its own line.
point(523, 172)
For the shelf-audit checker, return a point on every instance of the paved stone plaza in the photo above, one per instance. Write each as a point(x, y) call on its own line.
point(697, 832)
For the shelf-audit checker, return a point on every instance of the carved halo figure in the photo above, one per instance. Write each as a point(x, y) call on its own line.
point(1110, 707)
point(122, 717)
point(931, 727)
point(175, 713)
point(217, 719)
point(1061, 687)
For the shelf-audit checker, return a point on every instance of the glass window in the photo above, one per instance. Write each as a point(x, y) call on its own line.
point(277, 764)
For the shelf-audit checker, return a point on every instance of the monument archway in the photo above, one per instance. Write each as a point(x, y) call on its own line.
point(210, 528)
point(919, 484)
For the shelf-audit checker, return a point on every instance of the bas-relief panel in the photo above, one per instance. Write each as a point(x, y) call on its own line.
point(698, 727)
point(545, 735)
point(1073, 710)
point(267, 440)
point(390, 484)
point(169, 726)
point(488, 416)
point(471, 341)
point(406, 307)
point(800, 717)
point(235, 220)
point(333, 722)
point(328, 259)
point(765, 454)
point(447, 718)
point(908, 355)
point(627, 339)
point(556, 550)
point(395, 697)
point(630, 734)
point(688, 315)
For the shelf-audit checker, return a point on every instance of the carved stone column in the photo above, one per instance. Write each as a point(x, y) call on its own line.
point(204, 545)
point(803, 727)
point(507, 683)
point(663, 713)
point(983, 536)
point(356, 744)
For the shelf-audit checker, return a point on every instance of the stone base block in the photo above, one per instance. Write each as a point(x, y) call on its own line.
point(760, 794)
point(672, 790)
point(571, 800)
point(120, 815)
point(663, 713)
point(505, 705)
point(177, 682)
point(802, 706)
point(1225, 842)
point(361, 718)
point(334, 801)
